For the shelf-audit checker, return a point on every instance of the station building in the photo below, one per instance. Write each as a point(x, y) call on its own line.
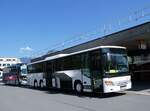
point(135, 39)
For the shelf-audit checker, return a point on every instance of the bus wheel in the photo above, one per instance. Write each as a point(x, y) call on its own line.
point(78, 87)
point(41, 84)
point(35, 84)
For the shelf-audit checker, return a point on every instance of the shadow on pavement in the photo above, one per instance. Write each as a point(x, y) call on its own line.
point(71, 92)
point(85, 94)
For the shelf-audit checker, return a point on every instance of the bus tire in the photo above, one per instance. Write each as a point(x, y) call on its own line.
point(41, 84)
point(35, 84)
point(78, 87)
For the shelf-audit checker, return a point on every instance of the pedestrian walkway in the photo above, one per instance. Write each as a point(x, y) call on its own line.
point(140, 87)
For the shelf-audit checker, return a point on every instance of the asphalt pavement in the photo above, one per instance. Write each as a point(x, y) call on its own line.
point(26, 99)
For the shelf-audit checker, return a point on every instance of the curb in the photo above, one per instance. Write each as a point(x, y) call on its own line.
point(138, 93)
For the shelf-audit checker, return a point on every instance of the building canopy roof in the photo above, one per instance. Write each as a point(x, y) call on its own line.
point(128, 38)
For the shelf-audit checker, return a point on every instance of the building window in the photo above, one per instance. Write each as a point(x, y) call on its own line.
point(1, 59)
point(8, 64)
point(8, 60)
point(14, 59)
point(4, 64)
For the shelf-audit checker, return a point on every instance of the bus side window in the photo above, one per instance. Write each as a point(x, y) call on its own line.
point(95, 64)
point(85, 65)
point(48, 67)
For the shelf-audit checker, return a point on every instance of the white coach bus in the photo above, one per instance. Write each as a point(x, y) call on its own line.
point(100, 69)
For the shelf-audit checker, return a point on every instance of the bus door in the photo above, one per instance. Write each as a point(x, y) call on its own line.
point(86, 76)
point(48, 73)
point(96, 70)
point(52, 80)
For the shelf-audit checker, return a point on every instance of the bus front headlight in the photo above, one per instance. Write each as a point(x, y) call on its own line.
point(109, 83)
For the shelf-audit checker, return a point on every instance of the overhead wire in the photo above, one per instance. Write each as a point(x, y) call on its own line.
point(98, 32)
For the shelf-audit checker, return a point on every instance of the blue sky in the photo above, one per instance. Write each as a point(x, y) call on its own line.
point(31, 26)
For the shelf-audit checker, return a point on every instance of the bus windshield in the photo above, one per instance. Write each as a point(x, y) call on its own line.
point(115, 64)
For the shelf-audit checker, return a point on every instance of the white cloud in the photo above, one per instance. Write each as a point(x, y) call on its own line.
point(26, 49)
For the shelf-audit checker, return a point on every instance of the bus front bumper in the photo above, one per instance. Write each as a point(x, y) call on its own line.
point(116, 84)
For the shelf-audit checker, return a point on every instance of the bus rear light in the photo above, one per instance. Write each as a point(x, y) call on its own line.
point(12, 77)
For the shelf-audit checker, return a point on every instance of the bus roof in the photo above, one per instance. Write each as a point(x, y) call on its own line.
point(78, 52)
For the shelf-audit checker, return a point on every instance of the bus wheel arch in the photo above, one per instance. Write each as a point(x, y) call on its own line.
point(41, 84)
point(78, 86)
point(35, 83)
